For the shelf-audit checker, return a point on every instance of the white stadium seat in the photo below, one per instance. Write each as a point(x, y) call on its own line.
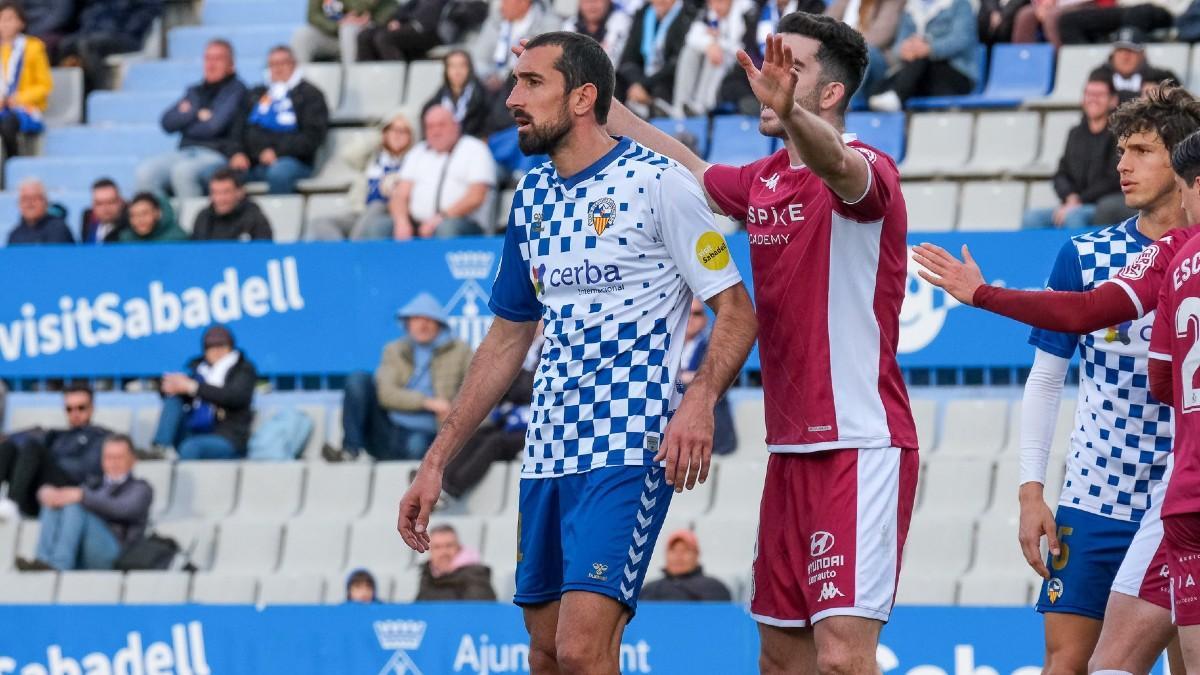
point(205, 489)
point(294, 589)
point(311, 545)
point(936, 142)
point(1004, 141)
point(992, 205)
point(156, 588)
point(28, 588)
point(211, 588)
point(270, 490)
point(974, 427)
point(89, 588)
point(932, 205)
point(247, 547)
point(336, 491)
point(955, 485)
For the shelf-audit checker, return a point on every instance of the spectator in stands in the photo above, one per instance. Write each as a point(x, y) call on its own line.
point(1087, 182)
point(103, 222)
point(696, 339)
point(207, 411)
point(878, 21)
point(760, 21)
point(936, 54)
point(463, 94)
point(709, 51)
point(604, 22)
point(646, 74)
point(1043, 16)
point(149, 223)
point(37, 225)
point(86, 527)
point(333, 27)
point(49, 21)
point(453, 572)
point(380, 162)
point(31, 458)
point(683, 578)
point(230, 216)
point(996, 19)
point(25, 73)
point(282, 128)
point(509, 23)
point(205, 117)
point(1096, 24)
point(361, 588)
point(445, 179)
point(108, 27)
point(396, 413)
point(417, 26)
point(1128, 68)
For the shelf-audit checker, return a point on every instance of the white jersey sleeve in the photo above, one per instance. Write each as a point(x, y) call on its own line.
point(1039, 414)
point(685, 224)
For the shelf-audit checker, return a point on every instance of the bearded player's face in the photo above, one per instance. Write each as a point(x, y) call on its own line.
point(538, 101)
point(808, 86)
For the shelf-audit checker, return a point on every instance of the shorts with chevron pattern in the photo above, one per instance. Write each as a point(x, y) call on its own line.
point(593, 531)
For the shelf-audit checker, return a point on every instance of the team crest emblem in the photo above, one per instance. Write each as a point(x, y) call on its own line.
point(601, 213)
point(1054, 590)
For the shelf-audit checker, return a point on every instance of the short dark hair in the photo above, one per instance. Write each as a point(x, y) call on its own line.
point(226, 174)
point(1169, 111)
point(443, 528)
point(582, 61)
point(147, 197)
point(360, 577)
point(842, 54)
point(102, 183)
point(282, 48)
point(120, 438)
point(79, 388)
point(1101, 77)
point(217, 42)
point(16, 7)
point(1185, 158)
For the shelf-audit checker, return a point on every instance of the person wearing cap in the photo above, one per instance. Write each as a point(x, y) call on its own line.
point(378, 161)
point(396, 413)
point(683, 578)
point(1128, 68)
point(207, 411)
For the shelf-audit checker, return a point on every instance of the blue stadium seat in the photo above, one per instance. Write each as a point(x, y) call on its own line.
point(115, 107)
point(942, 102)
point(1018, 72)
point(251, 13)
point(177, 75)
point(141, 140)
point(884, 131)
point(696, 126)
point(61, 173)
point(735, 140)
point(503, 145)
point(251, 42)
point(8, 215)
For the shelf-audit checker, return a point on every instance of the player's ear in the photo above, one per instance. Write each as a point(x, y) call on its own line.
point(832, 95)
point(583, 99)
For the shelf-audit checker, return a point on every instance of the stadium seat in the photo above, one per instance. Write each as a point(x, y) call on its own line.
point(286, 215)
point(328, 78)
point(695, 503)
point(1193, 77)
point(945, 102)
point(311, 545)
point(118, 107)
point(487, 498)
point(249, 547)
point(119, 418)
point(424, 80)
point(932, 206)
point(749, 421)
point(270, 490)
point(736, 141)
point(940, 542)
point(404, 586)
point(1018, 72)
point(1004, 142)
point(253, 41)
point(162, 76)
point(24, 417)
point(89, 588)
point(27, 538)
point(195, 539)
point(1172, 56)
point(696, 127)
point(504, 582)
point(1055, 127)
point(156, 588)
point(158, 474)
point(500, 542)
point(336, 491)
point(1074, 64)
point(205, 489)
point(371, 91)
point(955, 485)
point(28, 588)
point(503, 207)
point(884, 131)
point(65, 106)
point(8, 543)
point(739, 490)
point(211, 588)
point(937, 141)
point(727, 543)
point(925, 587)
point(997, 550)
point(236, 13)
point(375, 545)
point(1004, 504)
point(138, 140)
point(333, 174)
point(998, 589)
point(1041, 195)
point(974, 428)
point(187, 210)
point(925, 416)
point(292, 589)
point(62, 173)
point(324, 205)
point(991, 206)
point(8, 222)
point(390, 481)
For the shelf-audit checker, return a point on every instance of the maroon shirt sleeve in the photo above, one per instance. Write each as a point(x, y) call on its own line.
point(729, 187)
point(883, 180)
point(1161, 385)
point(1062, 311)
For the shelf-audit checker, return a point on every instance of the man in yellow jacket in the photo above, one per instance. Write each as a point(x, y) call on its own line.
point(24, 77)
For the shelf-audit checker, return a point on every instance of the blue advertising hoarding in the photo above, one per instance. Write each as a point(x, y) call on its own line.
point(329, 308)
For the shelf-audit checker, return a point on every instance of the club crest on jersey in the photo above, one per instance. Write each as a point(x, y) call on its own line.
point(1054, 589)
point(1137, 269)
point(601, 213)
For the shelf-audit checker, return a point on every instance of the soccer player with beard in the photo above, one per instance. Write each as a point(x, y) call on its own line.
point(606, 243)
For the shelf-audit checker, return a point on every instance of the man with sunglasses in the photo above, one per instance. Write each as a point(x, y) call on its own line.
point(67, 457)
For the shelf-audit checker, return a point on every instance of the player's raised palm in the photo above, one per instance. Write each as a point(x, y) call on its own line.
point(774, 84)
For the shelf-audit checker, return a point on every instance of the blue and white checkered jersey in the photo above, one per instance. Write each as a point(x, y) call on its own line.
point(1122, 434)
point(609, 258)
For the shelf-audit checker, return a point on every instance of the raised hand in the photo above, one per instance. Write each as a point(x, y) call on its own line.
point(774, 84)
point(958, 278)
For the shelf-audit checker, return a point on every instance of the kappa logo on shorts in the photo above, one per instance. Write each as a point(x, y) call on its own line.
point(598, 572)
point(820, 543)
point(830, 591)
point(1054, 590)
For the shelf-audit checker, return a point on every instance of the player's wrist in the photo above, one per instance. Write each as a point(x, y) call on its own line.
point(1031, 492)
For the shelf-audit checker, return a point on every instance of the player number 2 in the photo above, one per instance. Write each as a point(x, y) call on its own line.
point(1064, 551)
point(1187, 320)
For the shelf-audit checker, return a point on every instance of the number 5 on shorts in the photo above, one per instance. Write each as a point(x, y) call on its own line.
point(1064, 550)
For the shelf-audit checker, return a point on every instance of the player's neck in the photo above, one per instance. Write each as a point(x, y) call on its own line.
point(1157, 220)
point(580, 149)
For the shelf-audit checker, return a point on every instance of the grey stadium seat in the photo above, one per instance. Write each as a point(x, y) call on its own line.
point(727, 544)
point(158, 474)
point(991, 206)
point(328, 78)
point(500, 542)
point(487, 498)
point(925, 416)
point(247, 547)
point(974, 427)
point(116, 418)
point(195, 539)
point(24, 417)
point(424, 80)
point(1193, 77)
point(697, 502)
point(1173, 56)
point(286, 215)
point(65, 106)
point(936, 142)
point(334, 175)
point(8, 543)
point(210, 588)
point(955, 485)
point(941, 542)
point(187, 209)
point(270, 490)
point(749, 421)
point(314, 546)
point(375, 545)
point(336, 491)
point(932, 206)
point(294, 589)
point(1074, 63)
point(322, 205)
point(1056, 126)
point(89, 588)
point(997, 551)
point(205, 489)
point(28, 588)
point(156, 588)
point(1004, 142)
point(390, 481)
point(27, 539)
point(404, 585)
point(1011, 588)
point(739, 489)
point(370, 91)
point(1041, 195)
point(925, 587)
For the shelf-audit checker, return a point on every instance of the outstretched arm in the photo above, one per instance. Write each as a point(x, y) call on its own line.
point(1063, 311)
point(622, 122)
